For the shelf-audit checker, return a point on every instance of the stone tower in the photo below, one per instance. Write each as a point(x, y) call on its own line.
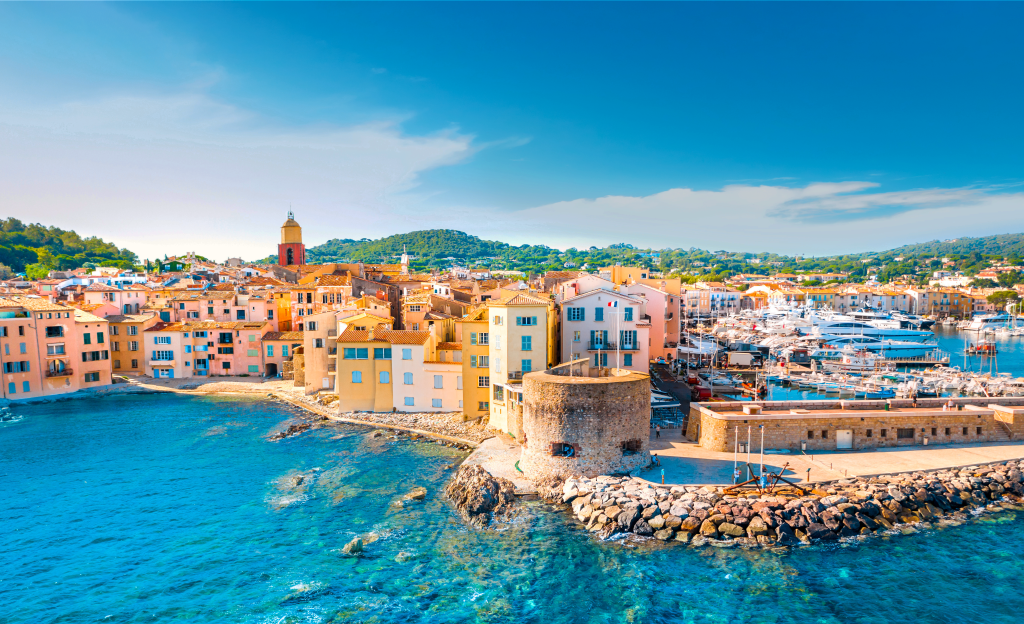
point(291, 251)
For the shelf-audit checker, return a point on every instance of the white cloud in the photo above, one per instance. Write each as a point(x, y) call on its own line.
point(819, 219)
point(170, 173)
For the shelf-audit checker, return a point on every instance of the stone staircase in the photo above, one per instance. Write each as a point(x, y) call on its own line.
point(1001, 433)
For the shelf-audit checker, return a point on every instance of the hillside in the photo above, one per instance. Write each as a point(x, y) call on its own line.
point(1001, 244)
point(36, 249)
point(425, 245)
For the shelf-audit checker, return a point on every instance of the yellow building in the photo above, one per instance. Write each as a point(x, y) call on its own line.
point(364, 381)
point(624, 275)
point(128, 352)
point(476, 373)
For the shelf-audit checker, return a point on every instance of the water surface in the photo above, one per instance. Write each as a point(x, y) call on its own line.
point(174, 508)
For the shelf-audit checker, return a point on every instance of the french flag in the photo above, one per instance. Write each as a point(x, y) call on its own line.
point(613, 304)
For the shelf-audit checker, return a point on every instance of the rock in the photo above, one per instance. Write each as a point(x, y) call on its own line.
point(709, 529)
point(683, 537)
point(585, 513)
point(417, 493)
point(642, 528)
point(690, 525)
point(820, 532)
point(650, 512)
point(731, 530)
point(354, 547)
point(404, 556)
point(657, 522)
point(757, 527)
point(479, 496)
point(786, 536)
point(628, 518)
point(673, 522)
point(664, 534)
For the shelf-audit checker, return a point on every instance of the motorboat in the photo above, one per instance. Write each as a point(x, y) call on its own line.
point(888, 348)
point(858, 328)
point(983, 322)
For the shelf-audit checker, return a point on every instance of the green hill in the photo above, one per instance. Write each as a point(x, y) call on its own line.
point(425, 245)
point(1007, 245)
point(36, 250)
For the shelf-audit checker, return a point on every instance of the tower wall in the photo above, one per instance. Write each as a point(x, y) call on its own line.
point(298, 253)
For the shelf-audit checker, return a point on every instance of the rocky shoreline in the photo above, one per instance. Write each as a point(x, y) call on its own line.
point(612, 507)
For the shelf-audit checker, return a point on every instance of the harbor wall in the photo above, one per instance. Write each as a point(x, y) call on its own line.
point(865, 425)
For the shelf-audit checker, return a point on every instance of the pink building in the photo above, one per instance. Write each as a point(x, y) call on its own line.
point(205, 348)
point(48, 349)
point(223, 306)
point(129, 300)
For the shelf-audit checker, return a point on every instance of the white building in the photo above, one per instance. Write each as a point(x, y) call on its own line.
point(608, 328)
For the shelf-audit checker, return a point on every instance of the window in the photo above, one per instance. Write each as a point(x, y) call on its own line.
point(87, 338)
point(485, 338)
point(415, 326)
point(23, 347)
point(270, 350)
point(627, 359)
point(351, 353)
point(602, 361)
point(576, 314)
point(884, 432)
point(27, 387)
point(284, 350)
point(409, 401)
point(135, 363)
point(114, 330)
point(209, 310)
point(133, 345)
point(497, 320)
point(824, 435)
point(55, 349)
point(438, 381)
point(252, 352)
point(947, 430)
point(598, 314)
point(188, 348)
point(162, 340)
point(483, 382)
point(117, 363)
point(270, 315)
point(253, 368)
point(965, 430)
point(627, 313)
point(627, 338)
point(318, 343)
point(868, 433)
point(527, 343)
point(252, 337)
point(225, 350)
point(11, 388)
point(458, 382)
point(225, 365)
point(485, 361)
point(357, 377)
point(472, 338)
point(978, 430)
point(406, 354)
point(414, 308)
point(526, 320)
point(904, 434)
point(497, 342)
point(408, 379)
point(385, 377)
point(575, 336)
point(472, 361)
point(499, 393)
point(16, 367)
point(527, 366)
point(435, 402)
point(311, 325)
point(382, 353)
point(161, 355)
point(935, 431)
point(810, 435)
point(91, 377)
point(483, 406)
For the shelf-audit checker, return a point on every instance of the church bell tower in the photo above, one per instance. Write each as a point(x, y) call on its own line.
point(291, 251)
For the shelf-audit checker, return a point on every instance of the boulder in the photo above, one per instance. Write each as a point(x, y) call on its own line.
point(786, 536)
point(730, 530)
point(709, 529)
point(690, 525)
point(480, 496)
point(657, 522)
point(664, 534)
point(628, 518)
point(757, 527)
point(585, 513)
point(673, 522)
point(354, 547)
point(642, 528)
point(417, 493)
point(820, 532)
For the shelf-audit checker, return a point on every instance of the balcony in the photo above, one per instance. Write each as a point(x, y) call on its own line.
point(611, 346)
point(332, 333)
point(66, 372)
point(515, 375)
point(161, 363)
point(332, 366)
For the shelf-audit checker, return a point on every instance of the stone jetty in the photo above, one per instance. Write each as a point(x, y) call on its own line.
point(480, 496)
point(612, 506)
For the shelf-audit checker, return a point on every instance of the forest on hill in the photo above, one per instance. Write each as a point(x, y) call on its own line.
point(36, 250)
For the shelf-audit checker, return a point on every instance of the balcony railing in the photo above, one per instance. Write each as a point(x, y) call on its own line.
point(332, 333)
point(66, 372)
point(332, 366)
point(611, 346)
point(515, 374)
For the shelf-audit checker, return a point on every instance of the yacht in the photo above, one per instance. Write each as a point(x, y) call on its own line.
point(989, 321)
point(857, 328)
point(912, 321)
point(886, 347)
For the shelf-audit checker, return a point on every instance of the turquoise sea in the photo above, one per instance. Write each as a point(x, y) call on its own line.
point(170, 508)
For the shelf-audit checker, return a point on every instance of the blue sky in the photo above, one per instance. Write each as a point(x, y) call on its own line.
point(798, 128)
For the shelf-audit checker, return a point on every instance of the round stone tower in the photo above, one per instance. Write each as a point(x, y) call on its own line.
point(585, 425)
point(291, 250)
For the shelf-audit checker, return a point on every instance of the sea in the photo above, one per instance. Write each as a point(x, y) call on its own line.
point(175, 508)
point(953, 342)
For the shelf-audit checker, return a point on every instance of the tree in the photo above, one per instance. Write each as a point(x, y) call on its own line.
point(1001, 298)
point(1009, 278)
point(6, 272)
point(983, 283)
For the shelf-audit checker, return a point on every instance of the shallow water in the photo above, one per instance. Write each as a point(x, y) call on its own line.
point(176, 508)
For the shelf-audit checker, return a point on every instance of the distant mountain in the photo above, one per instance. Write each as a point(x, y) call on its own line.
point(37, 249)
point(425, 245)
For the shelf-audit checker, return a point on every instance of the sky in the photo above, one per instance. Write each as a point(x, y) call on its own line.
point(796, 128)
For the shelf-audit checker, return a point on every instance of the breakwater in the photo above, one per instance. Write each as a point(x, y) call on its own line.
point(614, 506)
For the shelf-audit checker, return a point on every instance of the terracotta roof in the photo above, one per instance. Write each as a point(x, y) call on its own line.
point(449, 346)
point(129, 318)
point(333, 280)
point(520, 299)
point(401, 336)
point(354, 335)
point(292, 335)
point(436, 315)
point(85, 317)
point(98, 287)
point(37, 304)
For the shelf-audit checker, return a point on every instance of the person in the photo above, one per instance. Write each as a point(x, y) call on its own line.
point(764, 478)
point(736, 475)
point(913, 397)
point(657, 431)
point(950, 405)
point(655, 460)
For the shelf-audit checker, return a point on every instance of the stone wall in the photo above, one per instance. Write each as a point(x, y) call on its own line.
point(595, 415)
point(299, 367)
point(870, 428)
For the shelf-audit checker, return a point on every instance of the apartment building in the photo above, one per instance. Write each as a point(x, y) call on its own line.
point(49, 349)
point(476, 374)
point(608, 328)
point(128, 300)
point(204, 348)
point(127, 351)
point(661, 311)
point(278, 348)
point(223, 306)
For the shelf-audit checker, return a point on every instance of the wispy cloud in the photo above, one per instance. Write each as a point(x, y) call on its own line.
point(155, 172)
point(819, 218)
